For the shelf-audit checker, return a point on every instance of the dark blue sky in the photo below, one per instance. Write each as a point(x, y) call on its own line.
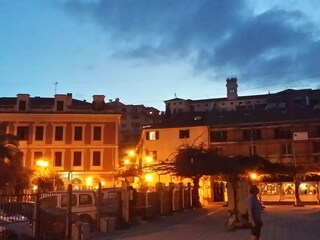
point(146, 51)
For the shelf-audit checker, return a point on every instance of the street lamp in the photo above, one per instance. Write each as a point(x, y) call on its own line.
point(148, 178)
point(42, 163)
point(45, 164)
point(149, 159)
point(253, 176)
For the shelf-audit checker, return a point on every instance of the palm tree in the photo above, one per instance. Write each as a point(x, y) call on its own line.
point(14, 177)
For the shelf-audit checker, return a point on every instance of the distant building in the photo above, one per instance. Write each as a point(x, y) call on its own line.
point(287, 98)
point(133, 119)
point(78, 139)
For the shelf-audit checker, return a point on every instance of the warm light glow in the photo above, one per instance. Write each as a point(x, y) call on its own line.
point(42, 163)
point(149, 159)
point(253, 176)
point(35, 187)
point(148, 178)
point(303, 186)
point(103, 183)
point(126, 161)
point(89, 181)
point(131, 153)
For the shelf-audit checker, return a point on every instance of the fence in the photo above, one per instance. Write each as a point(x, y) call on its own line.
point(63, 214)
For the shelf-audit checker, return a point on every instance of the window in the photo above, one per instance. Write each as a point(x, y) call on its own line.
point(85, 199)
point(96, 158)
point(23, 132)
point(22, 105)
point(316, 147)
point(58, 134)
point(184, 133)
point(37, 156)
point(282, 133)
point(60, 105)
point(78, 133)
point(39, 133)
point(64, 200)
point(251, 134)
point(97, 133)
point(77, 159)
point(252, 150)
point(151, 156)
point(218, 150)
point(58, 159)
point(49, 202)
point(286, 148)
point(218, 136)
point(152, 135)
point(318, 131)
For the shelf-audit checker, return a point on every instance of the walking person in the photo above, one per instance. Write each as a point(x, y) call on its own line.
point(254, 211)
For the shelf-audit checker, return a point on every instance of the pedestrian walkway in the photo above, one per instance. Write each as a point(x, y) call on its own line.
point(280, 223)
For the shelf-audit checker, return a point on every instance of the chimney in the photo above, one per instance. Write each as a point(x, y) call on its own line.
point(98, 102)
point(69, 99)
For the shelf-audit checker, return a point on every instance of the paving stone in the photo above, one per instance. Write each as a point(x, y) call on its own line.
point(280, 223)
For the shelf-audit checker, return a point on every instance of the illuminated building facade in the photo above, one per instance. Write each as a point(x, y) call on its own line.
point(263, 125)
point(78, 139)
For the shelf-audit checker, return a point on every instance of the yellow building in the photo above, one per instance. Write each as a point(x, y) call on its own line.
point(78, 139)
point(160, 142)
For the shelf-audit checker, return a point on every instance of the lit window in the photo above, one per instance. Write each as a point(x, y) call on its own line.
point(152, 135)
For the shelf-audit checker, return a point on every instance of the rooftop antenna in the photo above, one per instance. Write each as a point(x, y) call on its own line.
point(175, 95)
point(55, 88)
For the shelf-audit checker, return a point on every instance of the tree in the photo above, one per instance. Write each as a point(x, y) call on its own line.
point(192, 162)
point(14, 177)
point(49, 182)
point(45, 177)
point(195, 162)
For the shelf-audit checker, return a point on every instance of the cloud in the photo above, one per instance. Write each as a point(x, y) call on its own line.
point(215, 36)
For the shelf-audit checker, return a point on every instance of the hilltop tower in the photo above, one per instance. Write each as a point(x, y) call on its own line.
point(232, 88)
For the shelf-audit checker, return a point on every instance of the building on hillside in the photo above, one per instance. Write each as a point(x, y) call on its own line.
point(246, 125)
point(133, 118)
point(78, 139)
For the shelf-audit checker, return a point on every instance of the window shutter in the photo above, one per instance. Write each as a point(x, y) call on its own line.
point(147, 135)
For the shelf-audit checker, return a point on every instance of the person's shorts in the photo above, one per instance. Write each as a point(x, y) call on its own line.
point(255, 230)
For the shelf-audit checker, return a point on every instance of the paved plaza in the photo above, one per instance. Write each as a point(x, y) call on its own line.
point(280, 223)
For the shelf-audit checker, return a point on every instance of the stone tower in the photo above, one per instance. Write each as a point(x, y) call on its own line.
point(232, 88)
